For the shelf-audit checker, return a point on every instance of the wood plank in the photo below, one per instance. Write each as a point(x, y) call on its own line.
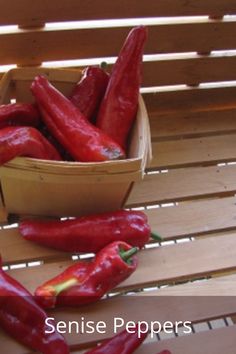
point(51, 11)
point(183, 184)
point(158, 265)
point(3, 213)
point(186, 100)
point(189, 69)
point(49, 44)
point(135, 308)
point(191, 219)
point(192, 124)
point(194, 151)
point(218, 341)
point(194, 218)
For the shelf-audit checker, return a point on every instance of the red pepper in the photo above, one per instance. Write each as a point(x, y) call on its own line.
point(91, 280)
point(82, 140)
point(118, 108)
point(19, 114)
point(89, 91)
point(23, 319)
point(25, 141)
point(122, 343)
point(90, 233)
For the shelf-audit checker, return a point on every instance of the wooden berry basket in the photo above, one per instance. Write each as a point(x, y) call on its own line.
point(189, 189)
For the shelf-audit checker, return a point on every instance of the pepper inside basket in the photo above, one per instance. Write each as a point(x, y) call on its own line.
point(60, 188)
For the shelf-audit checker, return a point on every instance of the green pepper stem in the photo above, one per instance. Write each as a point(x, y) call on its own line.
point(156, 237)
point(103, 65)
point(65, 285)
point(126, 255)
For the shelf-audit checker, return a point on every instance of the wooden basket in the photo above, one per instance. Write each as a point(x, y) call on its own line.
point(40, 187)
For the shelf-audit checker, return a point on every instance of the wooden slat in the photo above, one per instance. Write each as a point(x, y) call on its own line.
point(50, 11)
point(183, 184)
point(186, 100)
point(216, 341)
point(190, 69)
point(135, 308)
point(191, 124)
point(157, 266)
point(195, 151)
point(190, 219)
point(49, 44)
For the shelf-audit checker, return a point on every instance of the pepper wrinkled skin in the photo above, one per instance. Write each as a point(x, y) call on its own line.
point(89, 91)
point(84, 142)
point(96, 278)
point(19, 114)
point(118, 108)
point(122, 343)
point(89, 233)
point(24, 320)
point(25, 141)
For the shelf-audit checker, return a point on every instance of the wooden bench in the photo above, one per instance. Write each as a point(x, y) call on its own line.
point(189, 189)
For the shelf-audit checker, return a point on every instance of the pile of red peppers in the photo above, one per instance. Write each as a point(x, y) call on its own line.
point(92, 124)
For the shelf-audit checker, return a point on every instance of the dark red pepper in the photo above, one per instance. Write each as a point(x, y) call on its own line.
point(90, 233)
point(23, 319)
point(91, 280)
point(19, 114)
point(89, 91)
point(118, 108)
point(122, 343)
point(25, 141)
point(81, 139)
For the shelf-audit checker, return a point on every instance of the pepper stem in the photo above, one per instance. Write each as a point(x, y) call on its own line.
point(58, 288)
point(156, 237)
point(126, 255)
point(103, 65)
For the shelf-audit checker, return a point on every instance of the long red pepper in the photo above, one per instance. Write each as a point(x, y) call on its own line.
point(23, 319)
point(82, 140)
point(90, 233)
point(19, 114)
point(112, 265)
point(118, 108)
point(89, 91)
point(122, 343)
point(25, 141)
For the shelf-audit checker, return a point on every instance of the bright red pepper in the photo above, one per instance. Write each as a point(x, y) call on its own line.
point(122, 343)
point(19, 114)
point(23, 319)
point(118, 108)
point(90, 233)
point(81, 139)
point(91, 280)
point(89, 91)
point(25, 141)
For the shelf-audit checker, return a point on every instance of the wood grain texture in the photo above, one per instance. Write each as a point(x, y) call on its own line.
point(192, 124)
point(157, 266)
point(51, 11)
point(136, 308)
point(59, 44)
point(189, 69)
point(183, 184)
point(188, 219)
point(216, 341)
point(195, 151)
